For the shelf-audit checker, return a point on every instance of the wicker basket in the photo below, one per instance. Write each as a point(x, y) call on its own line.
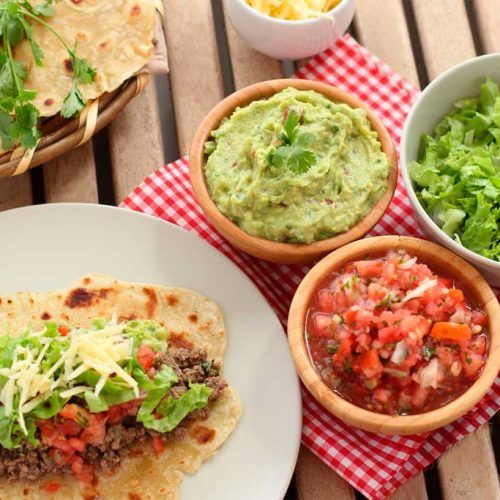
point(60, 135)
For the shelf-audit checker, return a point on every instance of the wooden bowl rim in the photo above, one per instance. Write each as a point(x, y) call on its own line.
point(279, 251)
point(69, 133)
point(434, 255)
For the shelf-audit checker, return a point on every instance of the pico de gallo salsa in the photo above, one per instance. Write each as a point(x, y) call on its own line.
point(392, 336)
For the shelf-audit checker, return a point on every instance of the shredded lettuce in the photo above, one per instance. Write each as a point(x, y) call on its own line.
point(457, 175)
point(175, 410)
point(11, 434)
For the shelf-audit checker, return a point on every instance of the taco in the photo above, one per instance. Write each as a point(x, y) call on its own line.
point(110, 390)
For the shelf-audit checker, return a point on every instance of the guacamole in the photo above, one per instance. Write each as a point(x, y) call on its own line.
point(296, 167)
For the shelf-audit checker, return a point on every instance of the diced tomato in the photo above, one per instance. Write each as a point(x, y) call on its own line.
point(413, 305)
point(59, 457)
point(419, 396)
point(370, 363)
point(364, 340)
point(63, 330)
point(382, 395)
point(445, 282)
point(68, 428)
point(84, 472)
point(388, 272)
point(339, 302)
point(96, 430)
point(436, 311)
point(325, 299)
point(74, 412)
point(433, 294)
point(343, 352)
point(158, 445)
point(369, 268)
point(388, 334)
point(478, 345)
point(471, 363)
point(145, 357)
point(52, 487)
point(323, 325)
point(76, 443)
point(451, 331)
point(446, 355)
point(479, 318)
point(61, 444)
point(376, 292)
point(414, 323)
point(456, 295)
point(115, 414)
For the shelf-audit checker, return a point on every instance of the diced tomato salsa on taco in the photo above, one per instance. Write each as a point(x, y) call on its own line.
point(392, 336)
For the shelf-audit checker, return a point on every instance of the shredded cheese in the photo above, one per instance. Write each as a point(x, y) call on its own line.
point(99, 350)
point(293, 10)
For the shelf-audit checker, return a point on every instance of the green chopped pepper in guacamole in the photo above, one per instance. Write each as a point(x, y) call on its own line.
point(296, 167)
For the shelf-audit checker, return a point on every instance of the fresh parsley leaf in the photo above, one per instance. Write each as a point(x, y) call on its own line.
point(35, 48)
point(290, 127)
point(293, 152)
point(82, 71)
point(73, 102)
point(6, 122)
point(25, 127)
point(428, 352)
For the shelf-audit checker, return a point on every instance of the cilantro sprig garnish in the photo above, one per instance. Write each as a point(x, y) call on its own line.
point(293, 151)
point(18, 115)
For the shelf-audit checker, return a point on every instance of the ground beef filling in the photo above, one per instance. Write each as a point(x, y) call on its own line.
point(30, 463)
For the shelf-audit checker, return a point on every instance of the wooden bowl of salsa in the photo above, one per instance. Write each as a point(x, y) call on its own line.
point(271, 188)
point(395, 335)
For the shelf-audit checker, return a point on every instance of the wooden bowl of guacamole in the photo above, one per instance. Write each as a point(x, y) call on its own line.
point(289, 170)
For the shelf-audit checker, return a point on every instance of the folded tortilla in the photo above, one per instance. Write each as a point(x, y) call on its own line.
point(115, 36)
point(192, 321)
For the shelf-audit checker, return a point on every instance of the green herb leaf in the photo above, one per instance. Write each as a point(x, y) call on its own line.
point(73, 103)
point(428, 352)
point(293, 153)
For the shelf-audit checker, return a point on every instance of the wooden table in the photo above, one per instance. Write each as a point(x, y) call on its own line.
point(419, 38)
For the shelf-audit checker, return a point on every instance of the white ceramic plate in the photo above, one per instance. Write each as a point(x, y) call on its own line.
point(46, 247)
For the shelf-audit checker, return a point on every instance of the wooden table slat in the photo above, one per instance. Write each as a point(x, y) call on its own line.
point(413, 489)
point(15, 192)
point(488, 17)
point(195, 73)
point(445, 34)
point(316, 481)
point(249, 66)
point(72, 177)
point(392, 45)
point(468, 470)
point(135, 141)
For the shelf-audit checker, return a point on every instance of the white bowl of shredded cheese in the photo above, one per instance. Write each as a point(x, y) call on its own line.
point(290, 29)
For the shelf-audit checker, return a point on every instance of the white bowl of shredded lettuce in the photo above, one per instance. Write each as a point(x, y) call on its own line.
point(450, 156)
point(290, 29)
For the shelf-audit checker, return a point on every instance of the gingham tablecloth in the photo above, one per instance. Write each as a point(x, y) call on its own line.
point(374, 464)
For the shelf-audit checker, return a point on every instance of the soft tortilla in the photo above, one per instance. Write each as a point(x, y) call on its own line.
point(192, 321)
point(115, 36)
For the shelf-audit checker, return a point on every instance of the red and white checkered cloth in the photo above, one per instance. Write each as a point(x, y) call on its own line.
point(374, 464)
